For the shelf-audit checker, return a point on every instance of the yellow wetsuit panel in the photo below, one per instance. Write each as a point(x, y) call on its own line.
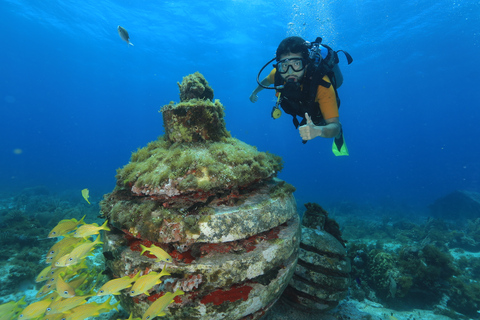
point(327, 100)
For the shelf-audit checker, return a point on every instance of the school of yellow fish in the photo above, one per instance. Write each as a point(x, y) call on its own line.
point(69, 283)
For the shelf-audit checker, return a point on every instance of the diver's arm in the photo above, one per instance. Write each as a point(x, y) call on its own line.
point(265, 82)
point(311, 131)
point(332, 128)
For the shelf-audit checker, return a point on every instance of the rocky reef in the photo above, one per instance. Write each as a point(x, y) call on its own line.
point(214, 205)
point(405, 265)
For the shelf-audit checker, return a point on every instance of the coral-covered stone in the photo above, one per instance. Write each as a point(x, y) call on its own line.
point(195, 86)
point(232, 279)
point(321, 277)
point(184, 174)
point(213, 204)
point(194, 121)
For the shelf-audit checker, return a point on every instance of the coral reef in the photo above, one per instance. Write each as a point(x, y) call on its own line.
point(25, 219)
point(403, 264)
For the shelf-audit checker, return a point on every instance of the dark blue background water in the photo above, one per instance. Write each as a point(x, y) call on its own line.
point(77, 100)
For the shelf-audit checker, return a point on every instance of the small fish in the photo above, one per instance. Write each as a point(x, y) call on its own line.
point(157, 252)
point(147, 282)
point(64, 226)
point(124, 35)
point(62, 246)
point(78, 281)
point(52, 296)
point(78, 253)
point(43, 275)
point(156, 308)
point(85, 194)
point(9, 315)
point(54, 316)
point(64, 289)
point(47, 287)
point(88, 230)
point(64, 305)
point(116, 285)
point(11, 306)
point(34, 310)
point(90, 310)
point(131, 318)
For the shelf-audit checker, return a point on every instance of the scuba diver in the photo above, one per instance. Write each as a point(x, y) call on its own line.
point(306, 77)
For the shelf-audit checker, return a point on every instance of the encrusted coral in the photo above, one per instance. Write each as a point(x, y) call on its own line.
point(162, 169)
point(195, 86)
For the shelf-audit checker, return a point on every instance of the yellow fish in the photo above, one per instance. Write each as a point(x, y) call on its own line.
point(54, 316)
point(88, 230)
point(43, 275)
point(52, 296)
point(45, 289)
point(116, 285)
point(9, 315)
point(34, 310)
point(147, 282)
point(55, 273)
point(78, 281)
point(131, 318)
point(124, 35)
point(64, 289)
point(78, 253)
point(157, 252)
point(61, 248)
point(85, 194)
point(11, 307)
point(156, 309)
point(64, 226)
point(64, 305)
point(90, 310)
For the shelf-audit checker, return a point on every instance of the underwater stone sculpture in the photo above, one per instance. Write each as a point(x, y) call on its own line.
point(213, 203)
point(321, 278)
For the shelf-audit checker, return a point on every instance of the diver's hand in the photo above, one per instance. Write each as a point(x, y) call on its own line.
point(309, 131)
point(253, 97)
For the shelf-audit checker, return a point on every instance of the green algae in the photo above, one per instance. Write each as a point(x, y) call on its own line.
point(195, 120)
point(195, 86)
point(199, 166)
point(282, 190)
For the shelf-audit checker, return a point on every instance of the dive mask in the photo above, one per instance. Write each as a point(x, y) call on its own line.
point(297, 64)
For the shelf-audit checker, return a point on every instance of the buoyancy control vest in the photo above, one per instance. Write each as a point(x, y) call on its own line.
point(297, 99)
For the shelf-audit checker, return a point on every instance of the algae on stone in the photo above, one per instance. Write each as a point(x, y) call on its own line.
point(197, 166)
point(195, 86)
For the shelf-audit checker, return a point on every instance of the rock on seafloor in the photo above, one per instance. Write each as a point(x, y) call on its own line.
point(460, 204)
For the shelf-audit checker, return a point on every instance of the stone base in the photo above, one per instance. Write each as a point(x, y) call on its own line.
point(237, 265)
point(229, 281)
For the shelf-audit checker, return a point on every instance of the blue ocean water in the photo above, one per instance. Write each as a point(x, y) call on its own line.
point(76, 100)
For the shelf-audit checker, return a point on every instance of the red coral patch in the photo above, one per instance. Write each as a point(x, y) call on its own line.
point(220, 296)
point(184, 256)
